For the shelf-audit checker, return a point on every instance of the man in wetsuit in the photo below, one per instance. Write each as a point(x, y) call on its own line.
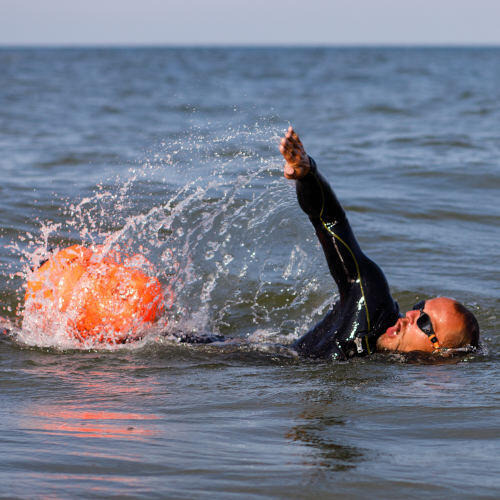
point(366, 317)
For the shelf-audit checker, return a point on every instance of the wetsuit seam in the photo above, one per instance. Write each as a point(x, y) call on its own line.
point(325, 225)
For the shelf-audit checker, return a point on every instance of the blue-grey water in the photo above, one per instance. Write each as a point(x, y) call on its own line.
point(173, 153)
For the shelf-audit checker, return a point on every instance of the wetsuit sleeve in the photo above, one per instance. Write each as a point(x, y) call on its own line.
point(342, 251)
point(366, 307)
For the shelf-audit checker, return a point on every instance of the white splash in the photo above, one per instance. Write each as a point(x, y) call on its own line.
point(217, 222)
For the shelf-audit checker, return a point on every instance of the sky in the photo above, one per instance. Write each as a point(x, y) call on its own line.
point(249, 22)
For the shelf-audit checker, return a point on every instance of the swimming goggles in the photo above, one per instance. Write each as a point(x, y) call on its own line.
point(425, 324)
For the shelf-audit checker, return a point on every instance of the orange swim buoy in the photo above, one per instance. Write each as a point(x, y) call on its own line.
point(96, 297)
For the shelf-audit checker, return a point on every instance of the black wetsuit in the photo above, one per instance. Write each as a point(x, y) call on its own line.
point(365, 308)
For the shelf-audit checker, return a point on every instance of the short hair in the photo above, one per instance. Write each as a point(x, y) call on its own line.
point(470, 324)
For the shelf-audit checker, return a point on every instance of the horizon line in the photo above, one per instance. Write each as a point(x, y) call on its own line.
point(131, 45)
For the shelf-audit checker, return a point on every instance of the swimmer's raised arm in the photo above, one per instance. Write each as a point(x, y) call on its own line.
point(318, 201)
point(365, 299)
point(314, 194)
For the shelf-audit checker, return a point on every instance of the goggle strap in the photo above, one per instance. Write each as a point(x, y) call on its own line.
point(435, 342)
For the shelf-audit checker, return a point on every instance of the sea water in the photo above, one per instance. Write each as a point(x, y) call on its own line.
point(173, 154)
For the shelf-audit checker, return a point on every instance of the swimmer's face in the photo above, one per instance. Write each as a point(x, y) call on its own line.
point(406, 336)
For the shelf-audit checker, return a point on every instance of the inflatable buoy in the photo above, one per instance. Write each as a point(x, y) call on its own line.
point(95, 297)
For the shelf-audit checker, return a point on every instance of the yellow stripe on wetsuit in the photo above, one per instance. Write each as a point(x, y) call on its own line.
point(327, 226)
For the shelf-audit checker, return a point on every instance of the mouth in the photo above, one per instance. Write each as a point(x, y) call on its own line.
point(390, 340)
point(393, 331)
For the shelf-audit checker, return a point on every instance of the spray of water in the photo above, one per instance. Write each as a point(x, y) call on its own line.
point(216, 223)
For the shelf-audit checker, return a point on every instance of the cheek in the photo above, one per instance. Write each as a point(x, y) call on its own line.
point(414, 341)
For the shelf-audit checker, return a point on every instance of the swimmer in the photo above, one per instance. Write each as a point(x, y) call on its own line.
point(109, 303)
point(365, 318)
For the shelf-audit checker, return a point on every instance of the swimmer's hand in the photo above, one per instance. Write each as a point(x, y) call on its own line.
point(297, 162)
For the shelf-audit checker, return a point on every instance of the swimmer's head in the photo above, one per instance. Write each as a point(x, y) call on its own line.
point(432, 324)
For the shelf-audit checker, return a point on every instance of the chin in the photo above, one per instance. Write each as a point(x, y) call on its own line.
point(385, 343)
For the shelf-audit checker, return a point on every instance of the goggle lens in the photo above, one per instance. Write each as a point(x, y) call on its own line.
point(425, 324)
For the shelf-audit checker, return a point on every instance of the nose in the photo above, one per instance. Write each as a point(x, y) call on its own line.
point(412, 315)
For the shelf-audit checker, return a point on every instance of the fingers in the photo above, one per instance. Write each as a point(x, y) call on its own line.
point(289, 152)
point(286, 148)
point(286, 145)
point(292, 136)
point(291, 142)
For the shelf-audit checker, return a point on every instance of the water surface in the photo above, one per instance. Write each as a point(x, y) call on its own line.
point(173, 153)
